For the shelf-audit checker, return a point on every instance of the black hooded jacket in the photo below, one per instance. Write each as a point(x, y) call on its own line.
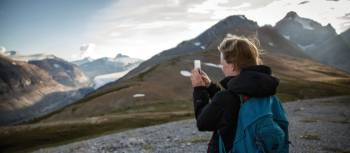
point(216, 107)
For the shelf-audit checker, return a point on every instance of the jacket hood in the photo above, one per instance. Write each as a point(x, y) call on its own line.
point(254, 81)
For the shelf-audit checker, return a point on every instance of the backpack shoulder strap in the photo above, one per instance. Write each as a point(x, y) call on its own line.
point(221, 143)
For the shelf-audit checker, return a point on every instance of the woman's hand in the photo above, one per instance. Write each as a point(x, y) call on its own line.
point(205, 78)
point(197, 79)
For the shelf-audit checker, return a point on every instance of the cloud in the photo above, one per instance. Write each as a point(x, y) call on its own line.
point(144, 28)
point(320, 11)
point(87, 50)
point(151, 26)
point(2, 49)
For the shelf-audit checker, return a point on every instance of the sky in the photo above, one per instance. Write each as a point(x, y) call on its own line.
point(75, 29)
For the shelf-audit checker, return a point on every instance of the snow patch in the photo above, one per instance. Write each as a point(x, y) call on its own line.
point(34, 57)
point(83, 61)
point(203, 47)
point(138, 95)
point(185, 73)
point(232, 35)
point(286, 36)
point(306, 46)
point(28, 82)
point(56, 65)
point(197, 43)
point(271, 44)
point(306, 24)
point(213, 65)
point(242, 17)
point(126, 60)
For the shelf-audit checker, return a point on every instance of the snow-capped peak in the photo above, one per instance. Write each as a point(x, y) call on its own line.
point(304, 22)
point(35, 57)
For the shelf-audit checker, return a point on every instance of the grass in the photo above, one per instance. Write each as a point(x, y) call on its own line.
point(337, 120)
point(310, 136)
point(329, 73)
point(198, 139)
point(159, 106)
point(334, 149)
point(76, 104)
point(148, 148)
point(310, 120)
point(25, 138)
point(142, 75)
point(290, 90)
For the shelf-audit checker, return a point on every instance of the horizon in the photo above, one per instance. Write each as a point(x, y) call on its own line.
point(79, 29)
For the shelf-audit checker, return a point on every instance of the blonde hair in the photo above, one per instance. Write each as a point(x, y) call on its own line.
point(240, 51)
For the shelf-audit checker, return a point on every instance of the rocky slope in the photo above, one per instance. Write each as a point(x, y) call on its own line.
point(303, 31)
point(312, 129)
point(35, 87)
point(63, 72)
point(335, 51)
point(321, 43)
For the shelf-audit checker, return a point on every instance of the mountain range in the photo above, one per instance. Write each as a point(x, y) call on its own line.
point(161, 80)
point(106, 69)
point(159, 89)
point(321, 43)
point(33, 86)
point(38, 84)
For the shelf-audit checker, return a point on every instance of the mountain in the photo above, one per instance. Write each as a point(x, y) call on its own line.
point(35, 85)
point(335, 51)
point(17, 76)
point(83, 61)
point(272, 41)
point(320, 43)
point(19, 57)
point(9, 53)
point(160, 83)
point(106, 65)
point(346, 36)
point(105, 70)
point(306, 33)
point(62, 71)
point(207, 40)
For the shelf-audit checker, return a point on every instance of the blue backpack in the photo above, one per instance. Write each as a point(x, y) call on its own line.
point(262, 127)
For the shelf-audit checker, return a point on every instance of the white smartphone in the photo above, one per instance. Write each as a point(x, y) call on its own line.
point(197, 64)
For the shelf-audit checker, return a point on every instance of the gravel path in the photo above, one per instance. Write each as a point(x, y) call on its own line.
point(316, 125)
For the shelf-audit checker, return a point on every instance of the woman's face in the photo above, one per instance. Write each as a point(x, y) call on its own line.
point(227, 68)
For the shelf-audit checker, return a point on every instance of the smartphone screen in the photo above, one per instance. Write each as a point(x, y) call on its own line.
point(197, 64)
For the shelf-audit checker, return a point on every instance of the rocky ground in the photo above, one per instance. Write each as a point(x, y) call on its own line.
point(316, 125)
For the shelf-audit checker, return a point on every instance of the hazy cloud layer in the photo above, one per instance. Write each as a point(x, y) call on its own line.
point(144, 28)
point(139, 28)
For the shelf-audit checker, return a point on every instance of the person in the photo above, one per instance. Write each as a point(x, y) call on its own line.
point(216, 105)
